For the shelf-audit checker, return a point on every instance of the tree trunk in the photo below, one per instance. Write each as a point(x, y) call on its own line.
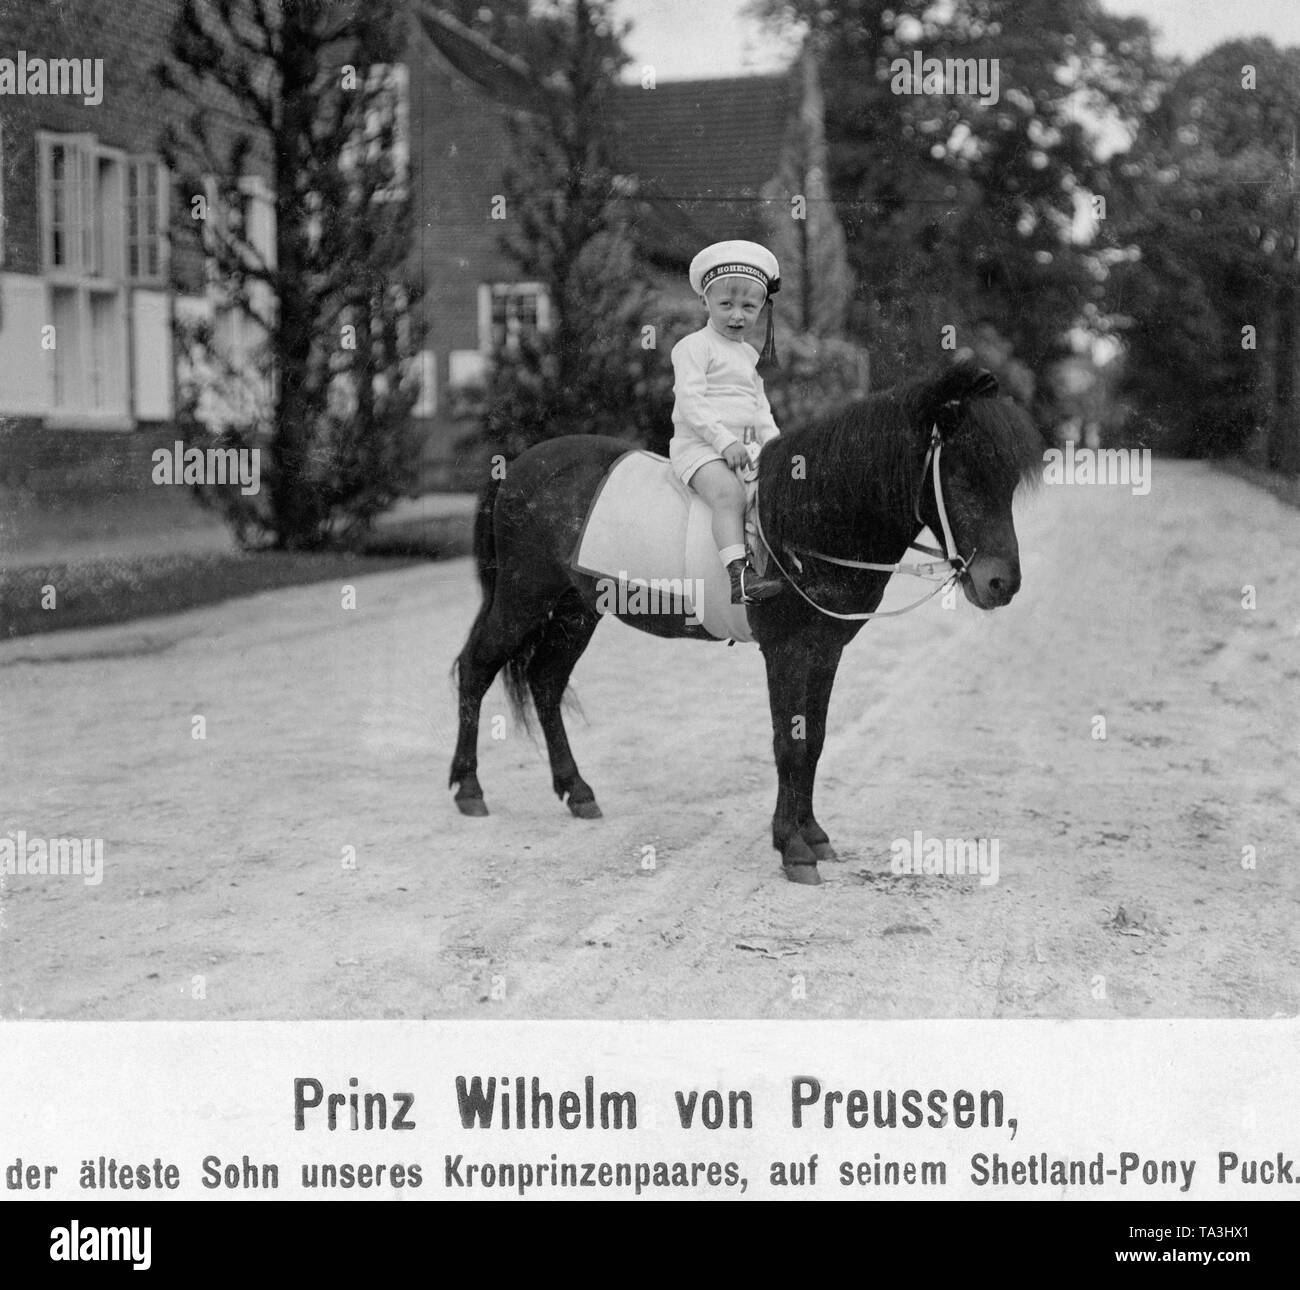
point(297, 521)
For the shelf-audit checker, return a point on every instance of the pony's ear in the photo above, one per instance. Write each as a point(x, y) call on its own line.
point(941, 400)
point(965, 379)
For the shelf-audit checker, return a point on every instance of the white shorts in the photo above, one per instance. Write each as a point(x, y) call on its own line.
point(688, 455)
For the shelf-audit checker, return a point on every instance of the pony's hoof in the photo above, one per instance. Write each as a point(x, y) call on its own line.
point(471, 806)
point(822, 851)
point(586, 810)
point(799, 863)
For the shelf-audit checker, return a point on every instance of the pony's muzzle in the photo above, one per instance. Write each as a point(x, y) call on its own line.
point(991, 581)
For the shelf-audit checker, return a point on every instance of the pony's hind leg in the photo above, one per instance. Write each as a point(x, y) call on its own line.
point(498, 635)
point(476, 669)
point(561, 644)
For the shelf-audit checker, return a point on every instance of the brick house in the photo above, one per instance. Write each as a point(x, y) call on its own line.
point(82, 246)
point(703, 160)
point(87, 375)
point(85, 204)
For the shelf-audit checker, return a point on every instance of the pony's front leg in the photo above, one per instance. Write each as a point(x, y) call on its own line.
point(800, 674)
point(788, 668)
point(823, 661)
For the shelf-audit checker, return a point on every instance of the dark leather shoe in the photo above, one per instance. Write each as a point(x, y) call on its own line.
point(748, 586)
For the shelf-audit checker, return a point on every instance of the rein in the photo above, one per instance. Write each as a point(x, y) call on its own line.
point(949, 558)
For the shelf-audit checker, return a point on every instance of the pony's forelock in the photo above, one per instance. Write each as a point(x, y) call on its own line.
point(999, 446)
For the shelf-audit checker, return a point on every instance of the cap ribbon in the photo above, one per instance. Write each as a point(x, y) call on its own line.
point(739, 270)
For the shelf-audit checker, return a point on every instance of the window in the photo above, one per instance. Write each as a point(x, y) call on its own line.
point(510, 311)
point(107, 221)
point(104, 368)
point(89, 368)
point(146, 219)
point(241, 220)
point(63, 314)
point(66, 165)
point(83, 248)
point(242, 215)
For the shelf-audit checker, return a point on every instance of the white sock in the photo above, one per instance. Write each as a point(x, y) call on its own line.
point(729, 553)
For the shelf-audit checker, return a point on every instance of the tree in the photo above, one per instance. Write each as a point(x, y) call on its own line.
point(563, 229)
point(961, 213)
point(1212, 291)
point(310, 95)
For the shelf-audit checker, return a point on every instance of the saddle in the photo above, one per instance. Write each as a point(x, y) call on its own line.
point(649, 540)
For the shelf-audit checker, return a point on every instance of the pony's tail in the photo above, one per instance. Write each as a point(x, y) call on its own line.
point(515, 676)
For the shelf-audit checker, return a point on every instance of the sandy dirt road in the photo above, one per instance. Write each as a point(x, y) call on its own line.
point(1121, 888)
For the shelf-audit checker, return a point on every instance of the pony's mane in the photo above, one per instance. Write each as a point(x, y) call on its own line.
point(867, 456)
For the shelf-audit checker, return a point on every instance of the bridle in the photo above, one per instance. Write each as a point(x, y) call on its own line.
point(948, 559)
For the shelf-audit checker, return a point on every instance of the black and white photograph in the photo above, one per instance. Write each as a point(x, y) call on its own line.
point(913, 387)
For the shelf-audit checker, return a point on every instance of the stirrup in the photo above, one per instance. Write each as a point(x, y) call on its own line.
point(738, 584)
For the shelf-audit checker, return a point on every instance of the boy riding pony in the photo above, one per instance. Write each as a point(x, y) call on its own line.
point(720, 408)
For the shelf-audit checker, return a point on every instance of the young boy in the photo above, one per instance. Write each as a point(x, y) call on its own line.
point(720, 405)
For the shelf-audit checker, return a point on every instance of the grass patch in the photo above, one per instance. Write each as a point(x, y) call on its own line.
point(98, 592)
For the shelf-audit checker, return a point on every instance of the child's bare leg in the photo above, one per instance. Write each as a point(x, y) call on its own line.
point(718, 485)
point(725, 495)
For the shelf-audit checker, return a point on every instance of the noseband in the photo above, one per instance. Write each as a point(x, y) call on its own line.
point(948, 568)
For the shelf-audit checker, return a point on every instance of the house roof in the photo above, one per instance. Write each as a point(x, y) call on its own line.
point(701, 152)
point(507, 78)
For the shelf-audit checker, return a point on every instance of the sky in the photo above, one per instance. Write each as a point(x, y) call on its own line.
point(682, 39)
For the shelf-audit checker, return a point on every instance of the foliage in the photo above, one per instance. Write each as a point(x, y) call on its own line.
point(580, 372)
point(1212, 215)
point(309, 354)
point(961, 213)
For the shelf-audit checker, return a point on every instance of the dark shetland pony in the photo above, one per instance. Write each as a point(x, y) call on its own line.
point(849, 486)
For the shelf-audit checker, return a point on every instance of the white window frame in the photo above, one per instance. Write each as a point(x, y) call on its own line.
point(84, 394)
point(76, 243)
point(489, 292)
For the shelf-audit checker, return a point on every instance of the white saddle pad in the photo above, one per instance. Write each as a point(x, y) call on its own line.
point(652, 539)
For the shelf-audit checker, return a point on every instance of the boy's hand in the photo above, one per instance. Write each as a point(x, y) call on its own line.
point(736, 455)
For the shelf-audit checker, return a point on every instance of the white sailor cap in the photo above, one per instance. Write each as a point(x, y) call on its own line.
point(735, 259)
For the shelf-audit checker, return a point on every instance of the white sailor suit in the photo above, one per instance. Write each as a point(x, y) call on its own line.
point(718, 396)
